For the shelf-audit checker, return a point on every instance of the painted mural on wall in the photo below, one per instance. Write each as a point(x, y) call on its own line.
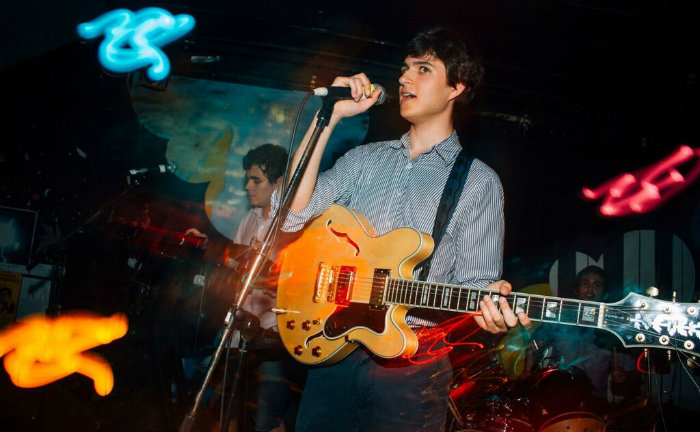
point(210, 125)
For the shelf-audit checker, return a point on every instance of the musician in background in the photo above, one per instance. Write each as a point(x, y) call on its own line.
point(264, 169)
point(611, 370)
point(399, 183)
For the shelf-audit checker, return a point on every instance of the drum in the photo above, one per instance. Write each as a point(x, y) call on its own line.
point(495, 415)
point(578, 421)
point(564, 401)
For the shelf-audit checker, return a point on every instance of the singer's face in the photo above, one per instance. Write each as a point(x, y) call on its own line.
point(424, 93)
point(258, 187)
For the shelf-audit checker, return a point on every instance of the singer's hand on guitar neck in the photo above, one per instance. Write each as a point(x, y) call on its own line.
point(494, 320)
point(363, 97)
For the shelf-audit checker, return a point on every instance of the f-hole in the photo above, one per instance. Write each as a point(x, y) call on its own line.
point(343, 237)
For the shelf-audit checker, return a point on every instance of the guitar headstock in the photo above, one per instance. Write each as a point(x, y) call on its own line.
point(641, 321)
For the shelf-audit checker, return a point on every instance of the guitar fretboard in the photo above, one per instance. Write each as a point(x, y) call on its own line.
point(456, 298)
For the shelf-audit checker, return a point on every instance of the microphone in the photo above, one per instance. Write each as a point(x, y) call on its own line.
point(137, 175)
point(338, 92)
point(160, 169)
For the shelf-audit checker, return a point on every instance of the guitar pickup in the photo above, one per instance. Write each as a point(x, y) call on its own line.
point(344, 285)
point(334, 284)
point(324, 282)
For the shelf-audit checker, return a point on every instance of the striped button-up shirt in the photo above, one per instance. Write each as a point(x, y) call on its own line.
point(382, 182)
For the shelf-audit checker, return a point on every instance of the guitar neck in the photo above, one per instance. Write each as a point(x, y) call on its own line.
point(455, 298)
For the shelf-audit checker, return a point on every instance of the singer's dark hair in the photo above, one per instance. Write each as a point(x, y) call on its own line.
point(462, 62)
point(271, 158)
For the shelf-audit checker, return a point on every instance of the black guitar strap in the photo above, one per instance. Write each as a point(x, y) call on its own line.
point(448, 203)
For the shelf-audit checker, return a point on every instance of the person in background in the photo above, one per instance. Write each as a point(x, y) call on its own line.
point(596, 356)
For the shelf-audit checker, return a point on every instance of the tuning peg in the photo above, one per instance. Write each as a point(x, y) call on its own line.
point(673, 298)
point(652, 291)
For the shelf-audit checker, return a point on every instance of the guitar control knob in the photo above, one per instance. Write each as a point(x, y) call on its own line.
point(306, 325)
point(298, 350)
point(639, 337)
point(316, 351)
point(291, 324)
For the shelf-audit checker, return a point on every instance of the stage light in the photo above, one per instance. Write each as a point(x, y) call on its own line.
point(132, 39)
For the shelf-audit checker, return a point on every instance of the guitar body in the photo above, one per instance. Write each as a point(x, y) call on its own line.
point(328, 284)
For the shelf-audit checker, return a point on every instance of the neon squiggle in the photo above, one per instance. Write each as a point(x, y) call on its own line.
point(435, 343)
point(132, 40)
point(40, 350)
point(648, 188)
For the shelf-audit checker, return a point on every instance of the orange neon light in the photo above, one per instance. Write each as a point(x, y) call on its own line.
point(39, 350)
point(649, 187)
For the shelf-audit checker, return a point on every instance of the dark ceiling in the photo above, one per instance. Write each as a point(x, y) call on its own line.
point(628, 62)
point(625, 61)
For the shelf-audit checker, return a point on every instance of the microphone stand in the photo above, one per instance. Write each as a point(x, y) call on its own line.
point(323, 118)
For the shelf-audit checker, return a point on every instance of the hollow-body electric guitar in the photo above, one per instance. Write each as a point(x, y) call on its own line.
point(340, 285)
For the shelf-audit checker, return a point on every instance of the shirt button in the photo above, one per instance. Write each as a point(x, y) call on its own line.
point(409, 166)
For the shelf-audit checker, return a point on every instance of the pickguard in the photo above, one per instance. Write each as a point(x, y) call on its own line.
point(355, 315)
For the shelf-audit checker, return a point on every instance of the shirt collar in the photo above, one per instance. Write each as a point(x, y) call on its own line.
point(447, 149)
point(258, 212)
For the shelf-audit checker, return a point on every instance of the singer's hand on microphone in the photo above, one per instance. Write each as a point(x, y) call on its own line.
point(362, 96)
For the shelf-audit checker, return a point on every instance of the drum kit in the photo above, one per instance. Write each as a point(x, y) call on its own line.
point(550, 400)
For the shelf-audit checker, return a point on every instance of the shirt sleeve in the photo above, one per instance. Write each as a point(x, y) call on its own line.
point(333, 186)
point(478, 236)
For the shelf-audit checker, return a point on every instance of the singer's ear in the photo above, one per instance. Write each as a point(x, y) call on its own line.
point(457, 90)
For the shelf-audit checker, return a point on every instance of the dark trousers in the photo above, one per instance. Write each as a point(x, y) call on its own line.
point(365, 394)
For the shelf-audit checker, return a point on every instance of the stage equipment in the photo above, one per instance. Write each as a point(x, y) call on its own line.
point(17, 228)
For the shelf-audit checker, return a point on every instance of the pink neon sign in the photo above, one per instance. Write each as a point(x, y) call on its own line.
point(649, 187)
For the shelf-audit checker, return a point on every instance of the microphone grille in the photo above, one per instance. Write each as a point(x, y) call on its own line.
point(382, 95)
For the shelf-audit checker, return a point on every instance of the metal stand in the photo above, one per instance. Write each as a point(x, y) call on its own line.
point(323, 118)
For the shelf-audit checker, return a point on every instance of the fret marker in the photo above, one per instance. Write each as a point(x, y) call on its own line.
point(474, 301)
point(520, 303)
point(589, 313)
point(552, 310)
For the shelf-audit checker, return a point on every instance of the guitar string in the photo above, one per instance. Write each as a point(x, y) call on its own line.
point(412, 288)
point(435, 289)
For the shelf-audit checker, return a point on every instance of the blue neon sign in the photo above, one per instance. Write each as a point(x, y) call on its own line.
point(132, 39)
